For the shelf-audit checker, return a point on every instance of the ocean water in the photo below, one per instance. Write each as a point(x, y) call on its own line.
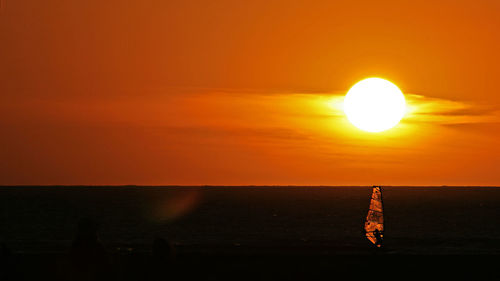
point(318, 220)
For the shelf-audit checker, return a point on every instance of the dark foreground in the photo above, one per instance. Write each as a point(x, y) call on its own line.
point(253, 232)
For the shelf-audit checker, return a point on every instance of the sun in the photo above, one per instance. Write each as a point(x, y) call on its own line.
point(374, 105)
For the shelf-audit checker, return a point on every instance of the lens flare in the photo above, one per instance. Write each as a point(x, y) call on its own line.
point(174, 204)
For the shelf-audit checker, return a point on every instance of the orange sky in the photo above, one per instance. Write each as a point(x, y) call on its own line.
point(246, 92)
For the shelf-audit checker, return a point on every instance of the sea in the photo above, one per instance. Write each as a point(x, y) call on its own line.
point(418, 220)
point(244, 227)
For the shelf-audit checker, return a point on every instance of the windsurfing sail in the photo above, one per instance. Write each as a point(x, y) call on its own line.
point(374, 224)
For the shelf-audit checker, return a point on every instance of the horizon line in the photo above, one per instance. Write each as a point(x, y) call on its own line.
point(210, 185)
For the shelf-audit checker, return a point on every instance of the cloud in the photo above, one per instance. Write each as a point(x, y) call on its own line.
point(423, 109)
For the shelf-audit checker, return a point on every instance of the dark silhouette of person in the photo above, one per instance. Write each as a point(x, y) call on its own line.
point(162, 258)
point(88, 256)
point(162, 250)
point(6, 264)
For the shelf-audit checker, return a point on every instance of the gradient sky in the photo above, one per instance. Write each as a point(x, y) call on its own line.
point(246, 92)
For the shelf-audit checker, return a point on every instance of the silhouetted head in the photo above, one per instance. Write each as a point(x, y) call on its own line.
point(87, 253)
point(162, 249)
point(87, 229)
point(4, 251)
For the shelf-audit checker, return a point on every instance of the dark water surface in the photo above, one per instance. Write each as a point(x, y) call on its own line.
point(249, 220)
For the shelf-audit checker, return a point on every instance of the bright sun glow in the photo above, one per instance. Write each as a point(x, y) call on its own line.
point(374, 105)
